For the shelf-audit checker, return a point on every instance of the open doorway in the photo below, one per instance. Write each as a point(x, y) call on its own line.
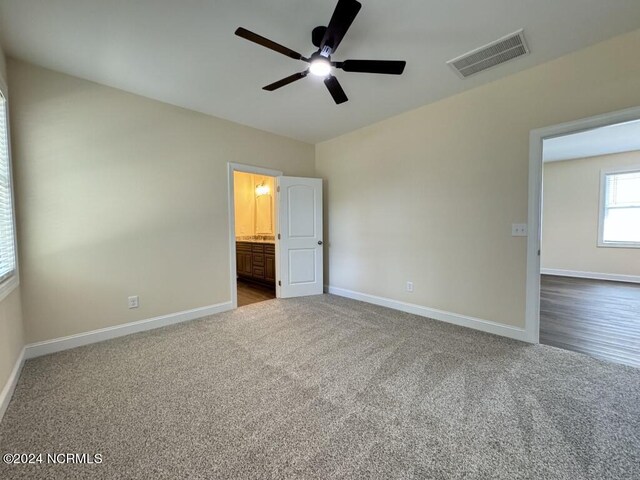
point(253, 223)
point(276, 241)
point(255, 217)
point(590, 242)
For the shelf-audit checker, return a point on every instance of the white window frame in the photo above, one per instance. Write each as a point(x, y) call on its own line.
point(603, 200)
point(9, 284)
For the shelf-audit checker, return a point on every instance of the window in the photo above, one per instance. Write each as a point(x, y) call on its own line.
point(7, 232)
point(620, 208)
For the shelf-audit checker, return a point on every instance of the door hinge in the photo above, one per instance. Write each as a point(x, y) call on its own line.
point(538, 252)
point(279, 283)
point(278, 236)
point(278, 189)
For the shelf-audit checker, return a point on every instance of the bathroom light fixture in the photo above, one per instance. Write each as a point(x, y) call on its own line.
point(262, 189)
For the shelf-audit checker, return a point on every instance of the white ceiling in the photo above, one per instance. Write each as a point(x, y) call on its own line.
point(623, 137)
point(185, 53)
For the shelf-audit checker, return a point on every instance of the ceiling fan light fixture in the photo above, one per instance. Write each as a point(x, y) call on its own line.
point(327, 39)
point(320, 67)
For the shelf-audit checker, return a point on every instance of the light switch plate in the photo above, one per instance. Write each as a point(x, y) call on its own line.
point(518, 229)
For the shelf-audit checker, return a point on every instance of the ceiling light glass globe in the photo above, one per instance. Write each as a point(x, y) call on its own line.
point(320, 68)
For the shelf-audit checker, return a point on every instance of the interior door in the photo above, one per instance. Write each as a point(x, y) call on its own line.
point(300, 250)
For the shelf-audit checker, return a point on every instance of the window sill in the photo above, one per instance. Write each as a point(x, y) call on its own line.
point(8, 286)
point(618, 245)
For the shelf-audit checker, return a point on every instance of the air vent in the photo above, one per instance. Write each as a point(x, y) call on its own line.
point(488, 56)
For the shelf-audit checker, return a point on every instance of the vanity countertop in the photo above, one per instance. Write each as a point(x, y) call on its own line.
point(272, 242)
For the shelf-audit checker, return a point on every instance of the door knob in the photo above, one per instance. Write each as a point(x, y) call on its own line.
point(319, 242)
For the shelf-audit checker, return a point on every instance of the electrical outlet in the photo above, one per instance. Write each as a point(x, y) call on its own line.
point(134, 301)
point(410, 287)
point(518, 229)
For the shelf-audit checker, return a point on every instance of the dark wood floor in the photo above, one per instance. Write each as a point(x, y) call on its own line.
point(599, 318)
point(249, 293)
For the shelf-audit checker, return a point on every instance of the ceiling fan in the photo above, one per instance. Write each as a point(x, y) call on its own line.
point(327, 39)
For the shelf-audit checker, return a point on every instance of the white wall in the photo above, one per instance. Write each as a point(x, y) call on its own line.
point(120, 195)
point(571, 193)
point(430, 195)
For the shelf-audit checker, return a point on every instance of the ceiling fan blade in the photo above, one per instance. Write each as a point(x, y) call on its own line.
point(265, 42)
point(286, 81)
point(388, 67)
point(335, 89)
point(343, 16)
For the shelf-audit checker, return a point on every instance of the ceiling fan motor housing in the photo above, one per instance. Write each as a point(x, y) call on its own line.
point(317, 35)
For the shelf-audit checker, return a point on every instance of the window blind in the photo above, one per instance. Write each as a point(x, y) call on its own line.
point(622, 208)
point(7, 242)
point(623, 190)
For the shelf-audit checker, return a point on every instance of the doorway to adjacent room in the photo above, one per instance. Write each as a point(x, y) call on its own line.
point(588, 269)
point(276, 245)
point(255, 233)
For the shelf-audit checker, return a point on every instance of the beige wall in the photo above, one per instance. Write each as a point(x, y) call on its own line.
point(430, 195)
point(571, 204)
point(11, 329)
point(120, 195)
point(11, 334)
point(3, 66)
point(253, 215)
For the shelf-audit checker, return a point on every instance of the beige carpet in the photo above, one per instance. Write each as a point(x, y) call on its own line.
point(325, 387)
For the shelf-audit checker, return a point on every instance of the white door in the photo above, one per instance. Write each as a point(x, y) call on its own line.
point(299, 236)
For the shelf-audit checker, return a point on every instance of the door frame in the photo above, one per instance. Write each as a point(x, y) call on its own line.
point(245, 168)
point(536, 140)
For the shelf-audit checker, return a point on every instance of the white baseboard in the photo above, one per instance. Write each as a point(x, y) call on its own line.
point(593, 275)
point(454, 318)
point(10, 386)
point(65, 343)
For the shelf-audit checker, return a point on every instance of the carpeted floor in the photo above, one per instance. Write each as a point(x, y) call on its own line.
point(325, 387)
